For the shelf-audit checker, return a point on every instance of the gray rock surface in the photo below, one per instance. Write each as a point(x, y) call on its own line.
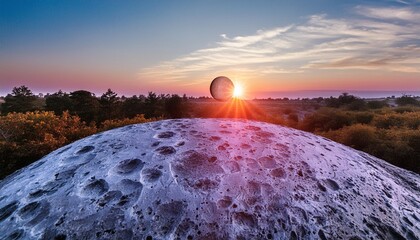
point(209, 179)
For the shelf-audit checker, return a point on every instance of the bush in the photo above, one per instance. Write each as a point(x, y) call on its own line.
point(358, 136)
point(397, 146)
point(292, 120)
point(25, 137)
point(288, 110)
point(406, 100)
point(388, 121)
point(410, 120)
point(363, 117)
point(384, 133)
point(376, 104)
point(325, 119)
point(404, 109)
point(110, 124)
point(413, 140)
point(357, 105)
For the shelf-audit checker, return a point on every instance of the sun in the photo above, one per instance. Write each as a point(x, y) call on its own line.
point(238, 91)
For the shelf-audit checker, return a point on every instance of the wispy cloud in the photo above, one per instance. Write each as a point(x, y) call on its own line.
point(407, 2)
point(406, 14)
point(386, 39)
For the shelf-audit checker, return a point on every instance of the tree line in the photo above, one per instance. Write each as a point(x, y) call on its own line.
point(96, 109)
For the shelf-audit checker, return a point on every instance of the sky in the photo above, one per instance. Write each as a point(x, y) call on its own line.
point(134, 47)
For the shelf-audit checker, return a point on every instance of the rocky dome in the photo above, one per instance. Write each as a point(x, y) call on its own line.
point(209, 179)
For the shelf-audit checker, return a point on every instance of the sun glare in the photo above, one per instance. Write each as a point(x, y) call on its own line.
point(238, 91)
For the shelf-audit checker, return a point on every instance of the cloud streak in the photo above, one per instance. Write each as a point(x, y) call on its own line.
point(385, 39)
point(406, 14)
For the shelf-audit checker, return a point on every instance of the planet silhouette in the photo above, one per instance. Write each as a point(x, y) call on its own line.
point(209, 179)
point(221, 88)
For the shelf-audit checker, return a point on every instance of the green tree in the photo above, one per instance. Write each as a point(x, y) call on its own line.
point(133, 106)
point(109, 105)
point(58, 102)
point(348, 100)
point(85, 105)
point(153, 106)
point(21, 100)
point(174, 107)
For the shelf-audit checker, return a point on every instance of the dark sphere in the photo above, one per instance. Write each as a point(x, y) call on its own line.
point(221, 88)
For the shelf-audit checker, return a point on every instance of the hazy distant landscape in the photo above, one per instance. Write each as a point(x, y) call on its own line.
point(334, 93)
point(32, 126)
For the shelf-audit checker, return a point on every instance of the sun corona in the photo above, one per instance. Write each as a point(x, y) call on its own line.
point(238, 91)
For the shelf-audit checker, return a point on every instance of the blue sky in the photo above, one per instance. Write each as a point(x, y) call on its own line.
point(179, 46)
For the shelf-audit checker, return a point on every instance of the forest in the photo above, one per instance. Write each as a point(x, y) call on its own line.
point(32, 126)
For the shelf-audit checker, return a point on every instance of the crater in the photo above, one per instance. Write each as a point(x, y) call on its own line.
point(264, 134)
point(194, 160)
point(95, 187)
point(85, 149)
point(37, 213)
point(245, 146)
point(16, 234)
point(8, 210)
point(128, 186)
point(111, 196)
point(225, 132)
point(29, 210)
point(224, 202)
point(64, 175)
point(278, 173)
point(205, 185)
point(232, 166)
point(129, 165)
point(214, 138)
point(167, 134)
point(252, 128)
point(166, 150)
point(48, 189)
point(150, 174)
point(331, 184)
point(267, 162)
point(243, 219)
point(321, 187)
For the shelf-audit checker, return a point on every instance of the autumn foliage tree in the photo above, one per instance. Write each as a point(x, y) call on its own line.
point(26, 137)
